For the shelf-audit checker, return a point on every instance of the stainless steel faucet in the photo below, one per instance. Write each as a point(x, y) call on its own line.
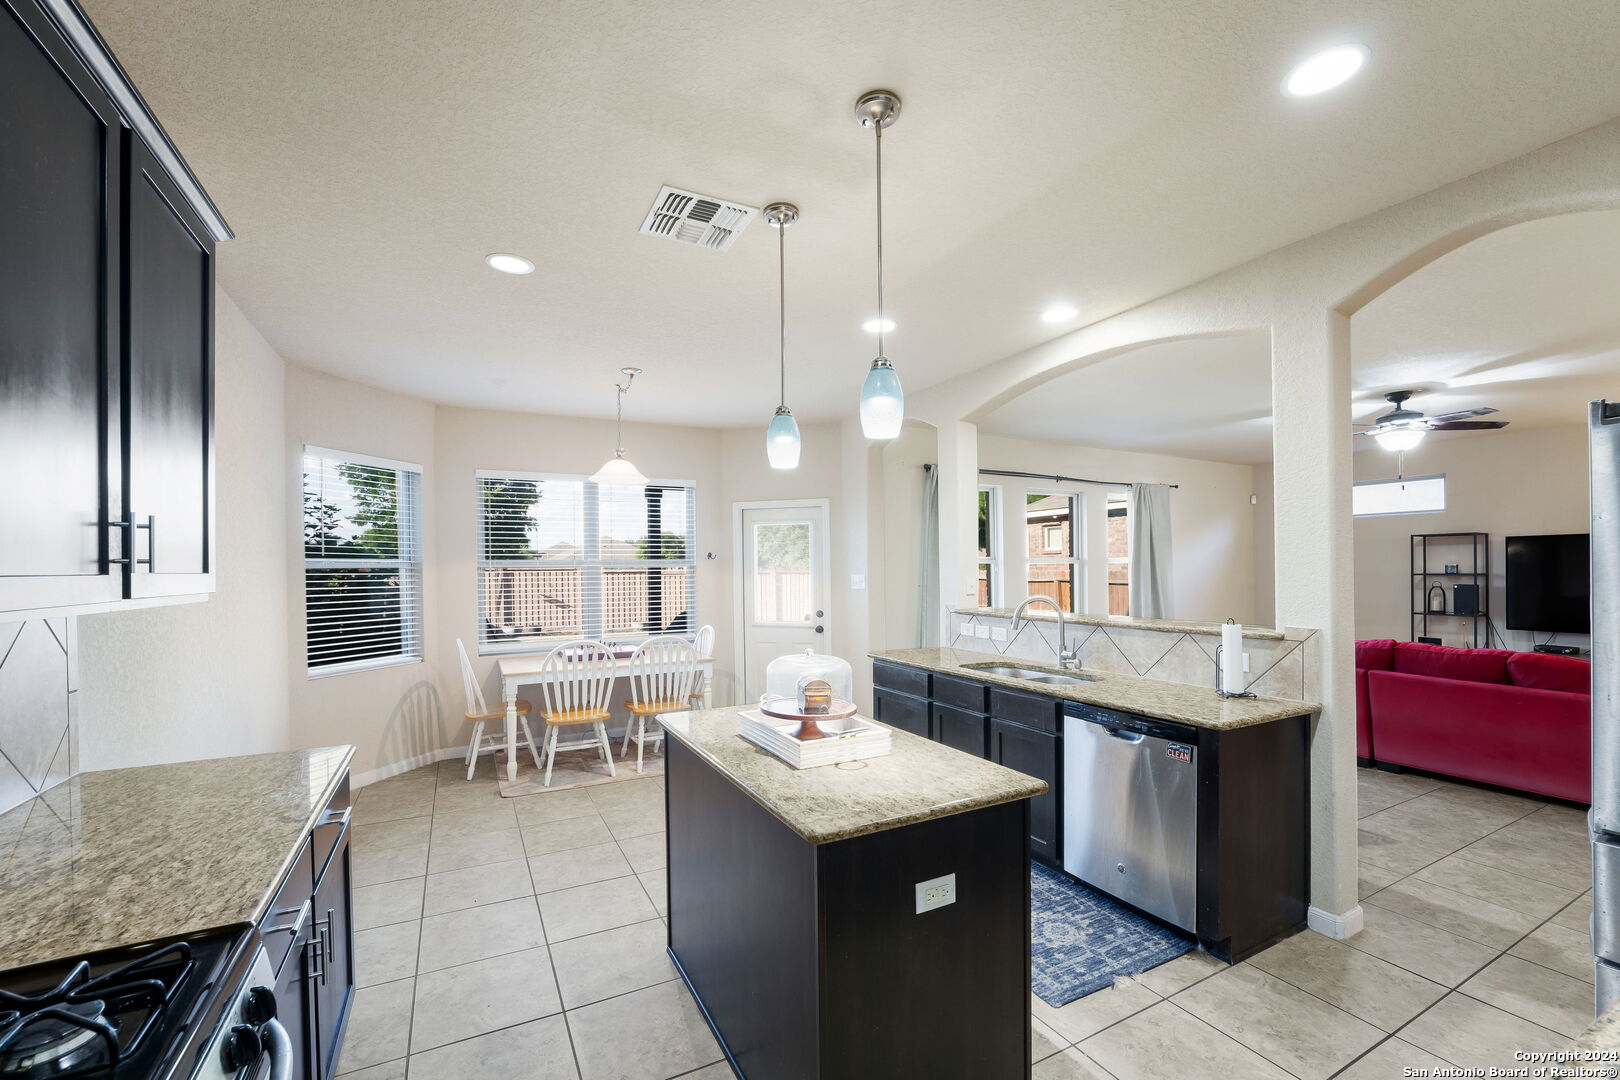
point(1067, 658)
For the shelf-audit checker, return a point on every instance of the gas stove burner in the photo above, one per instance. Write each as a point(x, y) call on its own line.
point(58, 1041)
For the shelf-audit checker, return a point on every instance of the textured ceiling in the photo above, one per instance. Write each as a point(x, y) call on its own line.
point(1523, 320)
point(369, 154)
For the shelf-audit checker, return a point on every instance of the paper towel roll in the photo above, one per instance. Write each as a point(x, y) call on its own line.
point(1232, 658)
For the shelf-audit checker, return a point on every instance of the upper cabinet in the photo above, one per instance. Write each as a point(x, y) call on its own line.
point(106, 332)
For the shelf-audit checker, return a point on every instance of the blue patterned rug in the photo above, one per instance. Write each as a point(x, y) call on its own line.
point(1082, 939)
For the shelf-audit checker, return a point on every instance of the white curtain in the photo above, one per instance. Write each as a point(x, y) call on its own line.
point(1150, 551)
point(928, 562)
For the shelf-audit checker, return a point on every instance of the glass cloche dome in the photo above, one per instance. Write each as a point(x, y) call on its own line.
point(784, 674)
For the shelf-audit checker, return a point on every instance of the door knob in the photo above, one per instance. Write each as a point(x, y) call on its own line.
point(821, 629)
point(819, 614)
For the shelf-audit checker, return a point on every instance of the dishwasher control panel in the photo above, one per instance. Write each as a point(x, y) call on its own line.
point(1124, 721)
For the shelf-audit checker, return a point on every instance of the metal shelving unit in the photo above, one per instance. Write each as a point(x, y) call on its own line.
point(1476, 570)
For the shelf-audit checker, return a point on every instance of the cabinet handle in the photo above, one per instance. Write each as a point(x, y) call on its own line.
point(337, 817)
point(315, 967)
point(150, 525)
point(296, 926)
point(123, 545)
point(329, 935)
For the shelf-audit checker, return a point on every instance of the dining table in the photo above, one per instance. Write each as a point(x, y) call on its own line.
point(528, 669)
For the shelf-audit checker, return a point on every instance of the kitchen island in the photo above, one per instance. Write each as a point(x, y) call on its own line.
point(794, 897)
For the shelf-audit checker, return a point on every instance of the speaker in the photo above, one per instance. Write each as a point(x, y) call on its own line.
point(1465, 599)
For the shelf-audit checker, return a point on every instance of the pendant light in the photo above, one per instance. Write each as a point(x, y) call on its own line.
point(883, 404)
point(618, 469)
point(782, 437)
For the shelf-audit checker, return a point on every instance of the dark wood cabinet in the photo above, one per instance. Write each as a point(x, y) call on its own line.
point(960, 729)
point(902, 711)
point(106, 332)
point(1038, 754)
point(333, 987)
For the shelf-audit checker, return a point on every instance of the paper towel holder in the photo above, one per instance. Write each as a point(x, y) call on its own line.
point(1219, 689)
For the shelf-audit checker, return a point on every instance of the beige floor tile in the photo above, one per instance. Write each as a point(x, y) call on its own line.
point(612, 962)
point(475, 886)
point(456, 852)
point(1401, 848)
point(379, 1024)
point(1501, 806)
point(380, 808)
point(388, 1070)
point(1436, 954)
point(466, 796)
point(1559, 948)
point(375, 866)
point(1371, 877)
point(589, 909)
point(1085, 1017)
point(1166, 1041)
point(581, 866)
point(1472, 1034)
point(1530, 852)
point(397, 833)
point(1374, 990)
point(496, 817)
point(472, 999)
point(1070, 1064)
point(668, 1035)
point(630, 821)
point(389, 902)
point(1280, 1022)
point(645, 853)
point(1577, 915)
point(1464, 915)
point(639, 792)
point(1180, 973)
point(1391, 1060)
point(1529, 991)
point(1043, 1041)
point(656, 883)
point(385, 953)
point(553, 806)
point(460, 937)
point(565, 834)
point(718, 1071)
point(538, 1050)
point(1461, 874)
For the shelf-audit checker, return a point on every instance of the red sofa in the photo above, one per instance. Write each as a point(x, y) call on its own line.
point(1515, 719)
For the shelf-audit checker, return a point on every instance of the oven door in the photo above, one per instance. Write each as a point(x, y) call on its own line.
point(247, 1045)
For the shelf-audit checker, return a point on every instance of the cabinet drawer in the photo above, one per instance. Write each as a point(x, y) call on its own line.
point(288, 919)
point(907, 680)
point(961, 693)
point(329, 827)
point(902, 711)
point(1029, 709)
point(960, 729)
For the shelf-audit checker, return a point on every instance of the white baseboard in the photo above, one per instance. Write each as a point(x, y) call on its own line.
point(1339, 926)
point(360, 780)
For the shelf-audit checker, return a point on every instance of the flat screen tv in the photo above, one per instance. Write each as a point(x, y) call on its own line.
point(1548, 587)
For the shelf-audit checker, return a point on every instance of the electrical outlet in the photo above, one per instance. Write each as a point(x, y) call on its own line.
point(936, 893)
point(981, 630)
point(998, 633)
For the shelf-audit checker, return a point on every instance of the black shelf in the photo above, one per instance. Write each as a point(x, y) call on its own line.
point(1479, 549)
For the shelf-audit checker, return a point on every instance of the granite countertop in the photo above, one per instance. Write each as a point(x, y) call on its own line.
point(1199, 706)
point(117, 858)
point(1602, 1037)
point(918, 781)
point(1172, 626)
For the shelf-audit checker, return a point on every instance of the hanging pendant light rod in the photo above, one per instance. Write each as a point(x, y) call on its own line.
point(878, 142)
point(782, 434)
point(882, 399)
point(630, 374)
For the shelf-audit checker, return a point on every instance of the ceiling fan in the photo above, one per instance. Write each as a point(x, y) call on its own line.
point(1402, 428)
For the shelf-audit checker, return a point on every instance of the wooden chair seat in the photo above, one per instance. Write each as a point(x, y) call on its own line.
point(523, 709)
point(577, 716)
point(653, 708)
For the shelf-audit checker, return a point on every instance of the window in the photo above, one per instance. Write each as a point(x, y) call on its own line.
point(561, 557)
point(989, 556)
point(1052, 521)
point(1119, 555)
point(362, 562)
point(1402, 495)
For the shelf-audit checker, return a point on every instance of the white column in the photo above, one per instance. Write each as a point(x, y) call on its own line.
point(958, 518)
point(1310, 372)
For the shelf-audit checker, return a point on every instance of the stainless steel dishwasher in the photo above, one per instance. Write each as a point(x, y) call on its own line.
point(1130, 810)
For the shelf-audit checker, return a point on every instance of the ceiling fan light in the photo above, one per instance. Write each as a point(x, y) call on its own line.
point(1400, 438)
point(883, 403)
point(782, 440)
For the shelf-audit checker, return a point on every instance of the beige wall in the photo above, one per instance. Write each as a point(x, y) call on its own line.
point(208, 679)
point(391, 714)
point(1505, 483)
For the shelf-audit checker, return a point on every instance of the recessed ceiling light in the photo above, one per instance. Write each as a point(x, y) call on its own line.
point(878, 326)
point(509, 264)
point(1325, 70)
point(1059, 313)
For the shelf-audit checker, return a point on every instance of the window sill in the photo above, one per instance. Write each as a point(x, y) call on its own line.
point(362, 665)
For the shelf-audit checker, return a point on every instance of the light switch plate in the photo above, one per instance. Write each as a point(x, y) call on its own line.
point(857, 581)
point(998, 633)
point(936, 893)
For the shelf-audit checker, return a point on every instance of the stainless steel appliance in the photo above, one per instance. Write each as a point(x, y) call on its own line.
point(1604, 434)
point(1130, 810)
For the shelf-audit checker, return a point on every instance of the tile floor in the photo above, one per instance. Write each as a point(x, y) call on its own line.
point(524, 938)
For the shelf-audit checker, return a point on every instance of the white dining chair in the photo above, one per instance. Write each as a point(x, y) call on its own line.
point(577, 681)
point(663, 675)
point(479, 716)
point(703, 642)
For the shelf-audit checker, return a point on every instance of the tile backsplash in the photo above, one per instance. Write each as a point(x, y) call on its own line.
point(38, 707)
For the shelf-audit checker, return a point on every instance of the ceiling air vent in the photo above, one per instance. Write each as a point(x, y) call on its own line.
point(690, 218)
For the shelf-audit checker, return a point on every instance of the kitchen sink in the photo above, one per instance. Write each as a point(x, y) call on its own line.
point(1012, 671)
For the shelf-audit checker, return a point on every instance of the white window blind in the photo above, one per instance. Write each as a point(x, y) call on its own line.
point(1402, 495)
point(561, 557)
point(362, 561)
